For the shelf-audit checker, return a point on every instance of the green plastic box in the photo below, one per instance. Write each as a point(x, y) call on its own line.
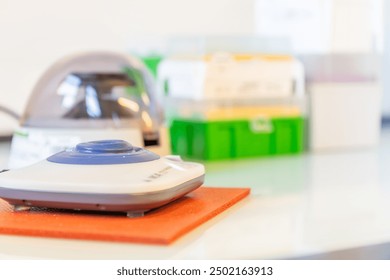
point(224, 139)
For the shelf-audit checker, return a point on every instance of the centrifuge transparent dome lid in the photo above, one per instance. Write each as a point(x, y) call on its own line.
point(94, 90)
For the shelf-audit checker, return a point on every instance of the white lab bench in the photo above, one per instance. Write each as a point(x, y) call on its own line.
point(299, 205)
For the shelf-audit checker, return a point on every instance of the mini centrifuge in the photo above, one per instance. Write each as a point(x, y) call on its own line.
point(106, 175)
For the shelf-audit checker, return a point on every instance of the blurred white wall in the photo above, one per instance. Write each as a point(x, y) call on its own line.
point(34, 34)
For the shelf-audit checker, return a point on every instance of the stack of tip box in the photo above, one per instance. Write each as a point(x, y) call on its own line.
point(225, 106)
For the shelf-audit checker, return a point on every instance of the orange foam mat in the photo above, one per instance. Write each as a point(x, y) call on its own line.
point(160, 226)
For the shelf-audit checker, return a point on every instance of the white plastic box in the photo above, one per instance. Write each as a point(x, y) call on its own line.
point(226, 76)
point(344, 100)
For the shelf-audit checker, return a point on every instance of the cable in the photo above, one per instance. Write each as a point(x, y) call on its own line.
point(9, 112)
